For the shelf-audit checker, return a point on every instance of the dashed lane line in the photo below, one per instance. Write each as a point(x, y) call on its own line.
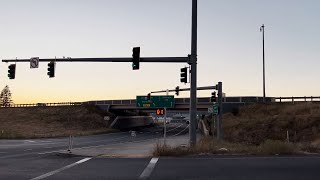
point(61, 169)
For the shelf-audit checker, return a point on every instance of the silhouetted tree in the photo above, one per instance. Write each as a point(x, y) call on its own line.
point(5, 97)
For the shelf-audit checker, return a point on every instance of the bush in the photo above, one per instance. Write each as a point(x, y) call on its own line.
point(276, 147)
point(212, 146)
point(166, 150)
point(311, 148)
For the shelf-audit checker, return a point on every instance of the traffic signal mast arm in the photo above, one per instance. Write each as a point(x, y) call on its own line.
point(188, 89)
point(119, 59)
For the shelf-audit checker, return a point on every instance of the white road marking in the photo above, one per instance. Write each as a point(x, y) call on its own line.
point(61, 169)
point(49, 152)
point(175, 128)
point(148, 170)
point(181, 131)
point(45, 141)
point(29, 141)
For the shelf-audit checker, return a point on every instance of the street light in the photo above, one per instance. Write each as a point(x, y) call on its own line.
point(264, 81)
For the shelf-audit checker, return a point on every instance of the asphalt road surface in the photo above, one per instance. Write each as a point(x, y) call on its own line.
point(38, 159)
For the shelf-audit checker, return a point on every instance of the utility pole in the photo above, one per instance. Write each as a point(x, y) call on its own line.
point(193, 83)
point(264, 82)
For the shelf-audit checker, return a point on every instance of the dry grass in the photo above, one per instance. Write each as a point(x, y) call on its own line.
point(210, 146)
point(261, 129)
point(38, 122)
point(271, 147)
point(166, 150)
point(258, 122)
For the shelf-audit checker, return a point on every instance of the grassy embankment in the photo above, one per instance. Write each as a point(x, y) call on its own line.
point(58, 121)
point(261, 130)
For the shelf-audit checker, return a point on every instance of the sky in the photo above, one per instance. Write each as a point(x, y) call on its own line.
point(229, 47)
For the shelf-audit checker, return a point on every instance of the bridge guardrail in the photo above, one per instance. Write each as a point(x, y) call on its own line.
point(298, 99)
point(235, 99)
point(44, 104)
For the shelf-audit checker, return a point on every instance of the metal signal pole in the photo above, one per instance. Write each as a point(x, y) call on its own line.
point(193, 83)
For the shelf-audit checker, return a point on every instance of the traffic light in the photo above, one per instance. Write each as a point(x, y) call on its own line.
point(213, 97)
point(51, 66)
point(177, 90)
point(160, 111)
point(149, 97)
point(184, 75)
point(135, 58)
point(12, 71)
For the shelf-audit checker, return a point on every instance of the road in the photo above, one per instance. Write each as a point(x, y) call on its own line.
point(39, 159)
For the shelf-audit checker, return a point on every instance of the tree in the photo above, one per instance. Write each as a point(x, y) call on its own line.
point(5, 97)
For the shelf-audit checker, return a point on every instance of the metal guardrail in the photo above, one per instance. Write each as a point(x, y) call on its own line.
point(298, 99)
point(241, 99)
point(44, 104)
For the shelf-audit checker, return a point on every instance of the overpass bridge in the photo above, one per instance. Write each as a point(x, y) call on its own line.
point(180, 104)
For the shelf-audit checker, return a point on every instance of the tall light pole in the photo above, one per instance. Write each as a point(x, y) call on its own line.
point(264, 78)
point(193, 83)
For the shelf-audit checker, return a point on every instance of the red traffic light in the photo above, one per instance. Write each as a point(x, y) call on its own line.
point(160, 111)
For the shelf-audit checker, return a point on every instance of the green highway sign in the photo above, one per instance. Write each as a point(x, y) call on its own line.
point(155, 101)
point(215, 108)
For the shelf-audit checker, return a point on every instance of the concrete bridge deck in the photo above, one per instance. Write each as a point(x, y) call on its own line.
point(180, 104)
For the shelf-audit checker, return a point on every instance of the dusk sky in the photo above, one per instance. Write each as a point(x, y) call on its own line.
point(229, 47)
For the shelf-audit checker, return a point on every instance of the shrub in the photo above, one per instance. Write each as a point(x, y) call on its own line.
point(166, 150)
point(276, 147)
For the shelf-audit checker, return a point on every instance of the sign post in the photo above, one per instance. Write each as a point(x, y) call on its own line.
point(164, 127)
point(165, 123)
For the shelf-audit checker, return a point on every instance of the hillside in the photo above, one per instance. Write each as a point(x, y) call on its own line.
point(256, 123)
point(54, 121)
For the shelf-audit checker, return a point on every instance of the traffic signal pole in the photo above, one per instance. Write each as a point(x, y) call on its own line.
point(193, 82)
point(220, 112)
point(192, 61)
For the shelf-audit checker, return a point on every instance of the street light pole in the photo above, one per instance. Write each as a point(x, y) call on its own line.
point(264, 80)
point(193, 83)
